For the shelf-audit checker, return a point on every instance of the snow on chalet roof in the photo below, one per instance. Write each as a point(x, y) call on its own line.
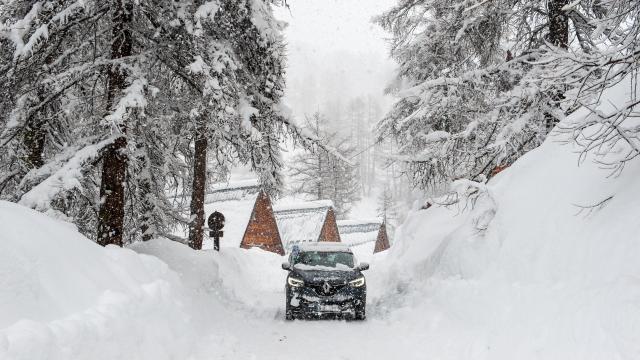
point(286, 205)
point(358, 226)
point(233, 190)
point(360, 235)
point(357, 232)
point(301, 222)
point(235, 200)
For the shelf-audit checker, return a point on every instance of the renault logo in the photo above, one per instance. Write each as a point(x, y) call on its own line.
point(326, 287)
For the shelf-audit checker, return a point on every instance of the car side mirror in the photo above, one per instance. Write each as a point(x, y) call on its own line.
point(363, 266)
point(286, 266)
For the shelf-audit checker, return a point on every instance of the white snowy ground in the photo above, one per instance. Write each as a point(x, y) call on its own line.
point(64, 297)
point(521, 276)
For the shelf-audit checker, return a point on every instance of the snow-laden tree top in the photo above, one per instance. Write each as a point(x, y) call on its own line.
point(482, 82)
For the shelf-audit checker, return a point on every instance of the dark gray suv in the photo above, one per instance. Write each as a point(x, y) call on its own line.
point(324, 280)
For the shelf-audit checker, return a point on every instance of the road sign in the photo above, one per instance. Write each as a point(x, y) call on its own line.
point(216, 224)
point(216, 221)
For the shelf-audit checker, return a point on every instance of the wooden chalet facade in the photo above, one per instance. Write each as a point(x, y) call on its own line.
point(262, 229)
point(253, 222)
point(382, 240)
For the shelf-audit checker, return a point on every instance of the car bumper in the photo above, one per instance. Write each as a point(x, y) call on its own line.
point(305, 301)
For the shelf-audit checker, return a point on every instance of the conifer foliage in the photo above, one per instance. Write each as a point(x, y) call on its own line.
point(321, 174)
point(111, 110)
point(483, 82)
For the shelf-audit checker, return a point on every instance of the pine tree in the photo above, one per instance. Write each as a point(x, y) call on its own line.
point(323, 175)
point(387, 208)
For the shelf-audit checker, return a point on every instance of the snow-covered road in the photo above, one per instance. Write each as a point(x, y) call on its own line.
point(249, 322)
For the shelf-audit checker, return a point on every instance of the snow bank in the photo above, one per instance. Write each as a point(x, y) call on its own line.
point(64, 297)
point(535, 271)
point(231, 277)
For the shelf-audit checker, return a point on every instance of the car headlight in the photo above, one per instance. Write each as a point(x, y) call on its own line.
point(295, 282)
point(357, 282)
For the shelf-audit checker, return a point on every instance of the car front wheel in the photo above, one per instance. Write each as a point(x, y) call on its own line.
point(360, 313)
point(288, 312)
point(289, 315)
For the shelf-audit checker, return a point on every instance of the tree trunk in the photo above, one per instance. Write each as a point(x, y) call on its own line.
point(35, 133)
point(196, 227)
point(558, 23)
point(320, 177)
point(114, 166)
point(34, 139)
point(559, 37)
point(146, 218)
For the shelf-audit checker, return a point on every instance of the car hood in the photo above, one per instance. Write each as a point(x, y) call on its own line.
point(320, 276)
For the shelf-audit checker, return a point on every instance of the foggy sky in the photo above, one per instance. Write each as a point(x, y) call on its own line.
point(335, 52)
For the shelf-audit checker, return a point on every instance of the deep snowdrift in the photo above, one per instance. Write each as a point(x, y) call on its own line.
point(62, 296)
point(529, 272)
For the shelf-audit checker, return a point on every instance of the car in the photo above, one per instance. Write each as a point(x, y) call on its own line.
point(324, 280)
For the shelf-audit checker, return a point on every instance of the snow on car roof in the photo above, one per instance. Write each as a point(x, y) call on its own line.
point(324, 246)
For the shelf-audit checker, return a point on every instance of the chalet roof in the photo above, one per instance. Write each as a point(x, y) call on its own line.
point(292, 206)
point(301, 222)
point(357, 232)
point(361, 236)
point(233, 190)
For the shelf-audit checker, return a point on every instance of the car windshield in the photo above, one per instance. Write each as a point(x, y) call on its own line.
point(325, 259)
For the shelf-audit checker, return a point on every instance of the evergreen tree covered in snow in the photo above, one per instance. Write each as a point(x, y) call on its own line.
point(388, 209)
point(109, 107)
point(482, 82)
point(323, 175)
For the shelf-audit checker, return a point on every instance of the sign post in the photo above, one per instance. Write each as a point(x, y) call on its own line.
point(216, 224)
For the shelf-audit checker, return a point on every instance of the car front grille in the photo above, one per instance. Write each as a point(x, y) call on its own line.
point(327, 288)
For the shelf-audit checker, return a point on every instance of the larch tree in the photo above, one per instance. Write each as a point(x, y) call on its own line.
point(387, 208)
point(244, 97)
point(324, 175)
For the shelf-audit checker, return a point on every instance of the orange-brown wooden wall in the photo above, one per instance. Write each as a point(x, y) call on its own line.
point(382, 241)
point(262, 230)
point(329, 232)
